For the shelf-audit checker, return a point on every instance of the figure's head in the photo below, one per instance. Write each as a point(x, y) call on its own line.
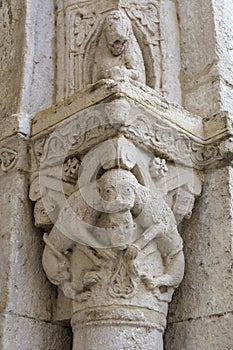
point(117, 27)
point(184, 202)
point(117, 188)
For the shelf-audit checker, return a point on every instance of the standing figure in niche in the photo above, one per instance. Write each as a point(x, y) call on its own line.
point(118, 54)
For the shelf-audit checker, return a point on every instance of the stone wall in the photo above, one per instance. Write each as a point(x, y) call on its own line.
point(27, 299)
point(12, 41)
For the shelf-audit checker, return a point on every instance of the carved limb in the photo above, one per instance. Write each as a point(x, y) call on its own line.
point(173, 275)
point(55, 263)
point(150, 233)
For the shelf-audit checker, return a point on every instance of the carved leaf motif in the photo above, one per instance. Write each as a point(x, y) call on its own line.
point(122, 284)
point(147, 14)
point(205, 155)
point(8, 159)
point(82, 27)
point(39, 148)
point(141, 128)
point(54, 148)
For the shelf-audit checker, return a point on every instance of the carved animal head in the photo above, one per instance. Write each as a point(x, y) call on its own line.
point(117, 28)
point(120, 190)
point(183, 202)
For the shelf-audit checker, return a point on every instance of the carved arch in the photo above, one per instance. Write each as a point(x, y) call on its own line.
point(141, 37)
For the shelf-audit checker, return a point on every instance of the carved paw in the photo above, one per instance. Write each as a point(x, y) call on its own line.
point(91, 278)
point(148, 282)
point(162, 283)
point(84, 296)
point(69, 290)
point(116, 72)
point(131, 252)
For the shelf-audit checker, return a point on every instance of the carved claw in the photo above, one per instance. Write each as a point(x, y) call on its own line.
point(84, 296)
point(68, 290)
point(161, 282)
point(131, 252)
point(148, 282)
point(91, 278)
point(164, 281)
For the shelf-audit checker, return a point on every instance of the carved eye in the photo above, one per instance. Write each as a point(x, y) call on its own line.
point(109, 190)
point(127, 190)
point(109, 193)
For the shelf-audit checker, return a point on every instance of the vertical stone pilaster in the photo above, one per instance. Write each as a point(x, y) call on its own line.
point(201, 312)
point(26, 298)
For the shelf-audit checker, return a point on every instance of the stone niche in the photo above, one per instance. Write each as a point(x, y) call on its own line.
point(86, 31)
point(115, 169)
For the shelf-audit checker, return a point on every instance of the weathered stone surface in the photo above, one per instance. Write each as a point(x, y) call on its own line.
point(198, 56)
point(22, 333)
point(207, 287)
point(26, 297)
point(119, 337)
point(183, 50)
point(223, 16)
point(38, 87)
point(170, 47)
point(21, 258)
point(212, 333)
point(12, 36)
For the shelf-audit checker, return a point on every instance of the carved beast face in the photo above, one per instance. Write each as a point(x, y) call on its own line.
point(117, 29)
point(117, 189)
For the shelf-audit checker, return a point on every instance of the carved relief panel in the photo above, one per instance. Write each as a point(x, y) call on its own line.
point(107, 39)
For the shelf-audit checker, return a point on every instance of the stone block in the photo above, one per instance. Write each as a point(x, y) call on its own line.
point(207, 96)
point(26, 290)
point(22, 333)
point(12, 22)
point(207, 288)
point(212, 333)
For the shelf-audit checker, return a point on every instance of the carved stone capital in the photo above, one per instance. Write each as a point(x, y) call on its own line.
point(112, 184)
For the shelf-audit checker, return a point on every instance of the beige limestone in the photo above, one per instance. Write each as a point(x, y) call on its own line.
point(23, 333)
point(184, 49)
point(207, 289)
point(211, 333)
point(26, 297)
point(104, 274)
point(12, 22)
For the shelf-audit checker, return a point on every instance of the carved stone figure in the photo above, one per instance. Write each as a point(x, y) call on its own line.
point(116, 243)
point(118, 53)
